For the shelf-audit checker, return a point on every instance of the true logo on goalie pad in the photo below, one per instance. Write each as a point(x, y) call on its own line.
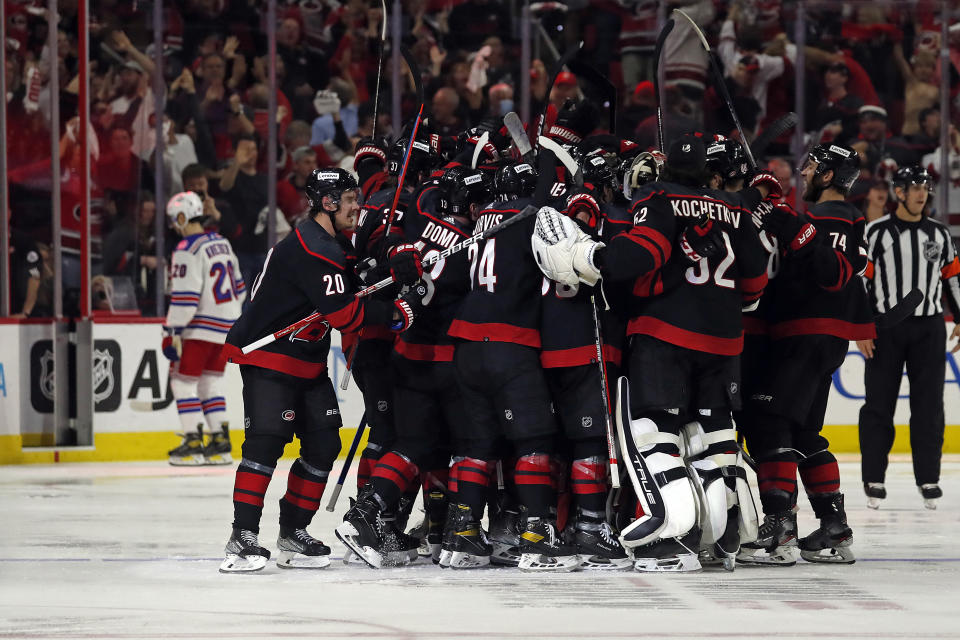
point(638, 467)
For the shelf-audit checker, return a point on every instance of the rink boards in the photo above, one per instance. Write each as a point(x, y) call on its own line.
point(135, 415)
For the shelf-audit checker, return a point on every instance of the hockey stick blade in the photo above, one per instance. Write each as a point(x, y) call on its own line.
point(900, 311)
point(641, 530)
point(776, 129)
point(519, 136)
point(528, 211)
point(567, 56)
point(563, 156)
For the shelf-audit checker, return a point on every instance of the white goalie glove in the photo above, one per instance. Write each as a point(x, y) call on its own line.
point(563, 251)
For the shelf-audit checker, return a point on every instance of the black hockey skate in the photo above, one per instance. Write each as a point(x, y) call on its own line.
point(244, 553)
point(362, 529)
point(669, 555)
point(542, 550)
point(218, 450)
point(299, 550)
point(189, 453)
point(598, 548)
point(875, 493)
point(505, 537)
point(931, 493)
point(465, 545)
point(775, 541)
point(831, 541)
point(723, 552)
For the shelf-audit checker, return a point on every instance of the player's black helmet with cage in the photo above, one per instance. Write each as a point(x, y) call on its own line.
point(726, 158)
point(597, 173)
point(912, 174)
point(328, 182)
point(423, 157)
point(843, 161)
point(514, 180)
point(460, 187)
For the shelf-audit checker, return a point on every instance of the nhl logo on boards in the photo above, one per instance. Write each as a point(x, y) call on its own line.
point(288, 415)
point(508, 414)
point(586, 422)
point(103, 379)
point(382, 406)
point(932, 250)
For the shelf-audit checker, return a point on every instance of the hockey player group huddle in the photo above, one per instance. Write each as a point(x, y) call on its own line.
point(580, 372)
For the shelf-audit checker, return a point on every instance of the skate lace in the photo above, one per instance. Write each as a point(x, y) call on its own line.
point(304, 537)
point(768, 527)
point(607, 533)
point(249, 538)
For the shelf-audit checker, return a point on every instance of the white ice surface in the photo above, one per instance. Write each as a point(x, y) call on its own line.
point(131, 550)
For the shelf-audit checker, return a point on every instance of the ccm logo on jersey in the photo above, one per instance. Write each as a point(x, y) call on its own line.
point(288, 415)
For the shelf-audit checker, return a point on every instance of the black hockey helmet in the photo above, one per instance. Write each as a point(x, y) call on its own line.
point(726, 158)
point(912, 174)
point(422, 156)
point(597, 173)
point(462, 186)
point(843, 161)
point(328, 182)
point(514, 180)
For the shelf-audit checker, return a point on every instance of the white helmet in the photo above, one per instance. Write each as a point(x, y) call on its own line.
point(183, 208)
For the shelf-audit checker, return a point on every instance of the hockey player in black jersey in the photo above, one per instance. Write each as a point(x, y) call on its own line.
point(287, 390)
point(694, 259)
point(428, 405)
point(813, 308)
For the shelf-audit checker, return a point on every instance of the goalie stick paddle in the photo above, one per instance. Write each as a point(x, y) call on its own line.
point(644, 484)
point(657, 51)
point(773, 131)
point(362, 293)
point(347, 462)
point(900, 311)
point(721, 86)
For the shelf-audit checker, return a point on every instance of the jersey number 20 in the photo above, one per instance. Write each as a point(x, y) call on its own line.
point(225, 285)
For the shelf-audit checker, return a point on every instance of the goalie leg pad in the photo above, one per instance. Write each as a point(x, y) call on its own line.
point(712, 492)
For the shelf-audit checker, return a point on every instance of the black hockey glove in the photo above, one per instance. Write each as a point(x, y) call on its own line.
point(372, 150)
point(406, 264)
point(701, 239)
point(791, 231)
point(575, 121)
point(409, 306)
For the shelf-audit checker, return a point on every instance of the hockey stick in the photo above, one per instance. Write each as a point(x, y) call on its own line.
point(721, 87)
point(519, 136)
point(775, 129)
point(900, 311)
point(383, 40)
point(657, 51)
point(601, 82)
point(347, 462)
point(460, 246)
point(645, 486)
point(567, 56)
point(576, 171)
point(481, 143)
point(604, 389)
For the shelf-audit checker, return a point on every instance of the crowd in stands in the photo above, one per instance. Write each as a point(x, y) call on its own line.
point(871, 72)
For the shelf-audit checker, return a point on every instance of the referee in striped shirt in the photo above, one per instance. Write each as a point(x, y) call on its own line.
point(908, 251)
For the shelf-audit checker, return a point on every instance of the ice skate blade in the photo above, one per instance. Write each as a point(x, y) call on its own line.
point(187, 461)
point(833, 555)
point(294, 560)
point(348, 536)
point(599, 563)
point(242, 564)
point(779, 557)
point(534, 562)
point(444, 559)
point(505, 554)
point(464, 560)
point(873, 503)
point(680, 563)
point(219, 459)
point(351, 558)
point(399, 558)
point(930, 504)
point(711, 561)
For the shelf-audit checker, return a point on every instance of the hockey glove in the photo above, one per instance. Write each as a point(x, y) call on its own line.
point(409, 305)
point(766, 180)
point(575, 121)
point(701, 239)
point(172, 345)
point(791, 231)
point(582, 201)
point(406, 264)
point(563, 252)
point(371, 150)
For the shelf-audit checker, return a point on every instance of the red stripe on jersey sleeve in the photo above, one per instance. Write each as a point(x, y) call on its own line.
point(317, 255)
point(752, 288)
point(348, 318)
point(951, 269)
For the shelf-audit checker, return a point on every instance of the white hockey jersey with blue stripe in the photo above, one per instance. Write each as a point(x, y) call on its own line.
point(206, 288)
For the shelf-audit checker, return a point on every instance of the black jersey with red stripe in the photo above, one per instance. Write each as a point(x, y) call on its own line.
point(434, 232)
point(306, 271)
point(816, 292)
point(503, 304)
point(372, 221)
point(692, 305)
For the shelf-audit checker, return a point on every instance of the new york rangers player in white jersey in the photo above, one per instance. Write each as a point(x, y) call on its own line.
point(206, 296)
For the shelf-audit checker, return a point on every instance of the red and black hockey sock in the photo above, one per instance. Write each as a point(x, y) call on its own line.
point(535, 484)
point(588, 480)
point(249, 487)
point(777, 480)
point(472, 481)
point(821, 480)
point(368, 460)
point(305, 485)
point(392, 476)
